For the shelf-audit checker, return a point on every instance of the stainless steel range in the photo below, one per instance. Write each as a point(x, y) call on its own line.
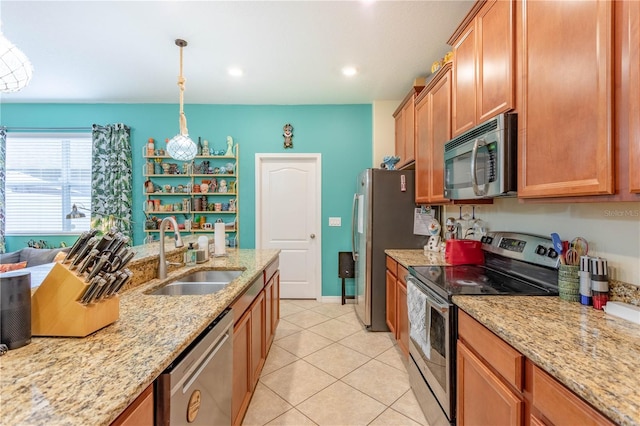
point(515, 264)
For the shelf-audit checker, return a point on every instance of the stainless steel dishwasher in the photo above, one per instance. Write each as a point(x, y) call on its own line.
point(196, 388)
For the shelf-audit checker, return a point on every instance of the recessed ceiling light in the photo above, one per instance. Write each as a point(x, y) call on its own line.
point(349, 71)
point(235, 72)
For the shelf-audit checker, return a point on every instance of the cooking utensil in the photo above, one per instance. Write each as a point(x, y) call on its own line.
point(557, 245)
point(572, 257)
point(580, 245)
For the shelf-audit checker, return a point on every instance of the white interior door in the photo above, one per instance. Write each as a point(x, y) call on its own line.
point(288, 217)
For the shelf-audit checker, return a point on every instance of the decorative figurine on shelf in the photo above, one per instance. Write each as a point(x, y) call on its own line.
point(205, 167)
point(389, 162)
point(204, 187)
point(213, 185)
point(232, 186)
point(205, 148)
point(149, 187)
point(150, 147)
point(222, 186)
point(232, 205)
point(229, 152)
point(288, 135)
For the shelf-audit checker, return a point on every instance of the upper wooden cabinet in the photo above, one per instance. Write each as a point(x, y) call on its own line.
point(483, 70)
point(565, 99)
point(433, 130)
point(405, 126)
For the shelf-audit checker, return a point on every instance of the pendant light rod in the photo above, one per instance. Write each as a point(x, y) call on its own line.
point(183, 118)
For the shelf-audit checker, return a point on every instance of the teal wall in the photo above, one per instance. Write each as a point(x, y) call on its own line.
point(342, 134)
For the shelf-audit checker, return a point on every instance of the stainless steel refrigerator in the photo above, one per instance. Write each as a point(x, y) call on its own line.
point(382, 218)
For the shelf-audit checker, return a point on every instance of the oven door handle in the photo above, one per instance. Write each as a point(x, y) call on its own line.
point(478, 143)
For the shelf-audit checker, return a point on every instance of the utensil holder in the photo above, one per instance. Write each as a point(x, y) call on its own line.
point(569, 283)
point(55, 310)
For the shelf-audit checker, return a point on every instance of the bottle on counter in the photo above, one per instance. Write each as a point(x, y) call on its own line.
point(585, 280)
point(190, 257)
point(599, 282)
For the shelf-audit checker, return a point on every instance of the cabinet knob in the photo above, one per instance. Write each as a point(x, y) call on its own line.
point(312, 236)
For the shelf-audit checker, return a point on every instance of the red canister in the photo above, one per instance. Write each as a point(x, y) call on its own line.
point(464, 252)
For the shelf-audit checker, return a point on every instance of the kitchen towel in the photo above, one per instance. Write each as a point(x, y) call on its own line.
point(218, 238)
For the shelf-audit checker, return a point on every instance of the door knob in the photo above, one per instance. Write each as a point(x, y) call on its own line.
point(312, 236)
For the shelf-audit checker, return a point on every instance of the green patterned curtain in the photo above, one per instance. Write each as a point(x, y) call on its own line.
point(111, 178)
point(3, 153)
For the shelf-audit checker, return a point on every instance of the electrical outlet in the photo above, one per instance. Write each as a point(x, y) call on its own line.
point(335, 221)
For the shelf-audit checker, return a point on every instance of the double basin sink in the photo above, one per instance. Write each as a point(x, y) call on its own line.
point(198, 283)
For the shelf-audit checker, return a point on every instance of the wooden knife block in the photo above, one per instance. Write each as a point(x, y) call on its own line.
point(55, 310)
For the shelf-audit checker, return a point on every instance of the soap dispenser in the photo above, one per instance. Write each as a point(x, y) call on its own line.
point(190, 256)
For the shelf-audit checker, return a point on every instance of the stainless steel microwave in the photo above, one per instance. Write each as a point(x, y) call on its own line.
point(482, 163)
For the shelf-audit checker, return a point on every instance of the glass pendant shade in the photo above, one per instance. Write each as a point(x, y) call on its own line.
point(181, 147)
point(15, 68)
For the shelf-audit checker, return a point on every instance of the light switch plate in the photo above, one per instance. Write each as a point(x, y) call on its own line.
point(335, 221)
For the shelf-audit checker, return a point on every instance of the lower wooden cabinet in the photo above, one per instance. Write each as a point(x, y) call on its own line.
point(256, 314)
point(402, 324)
point(483, 399)
point(397, 316)
point(497, 385)
point(139, 413)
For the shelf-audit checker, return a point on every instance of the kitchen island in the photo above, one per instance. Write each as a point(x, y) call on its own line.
point(595, 355)
point(91, 380)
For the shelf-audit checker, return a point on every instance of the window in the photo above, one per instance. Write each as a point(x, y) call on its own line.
point(46, 174)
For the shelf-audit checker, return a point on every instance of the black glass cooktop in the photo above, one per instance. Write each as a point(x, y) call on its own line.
point(475, 279)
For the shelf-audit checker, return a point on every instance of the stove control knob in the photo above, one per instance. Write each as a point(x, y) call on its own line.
point(541, 250)
point(489, 239)
point(552, 253)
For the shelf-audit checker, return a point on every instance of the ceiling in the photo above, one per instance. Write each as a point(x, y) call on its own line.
point(292, 52)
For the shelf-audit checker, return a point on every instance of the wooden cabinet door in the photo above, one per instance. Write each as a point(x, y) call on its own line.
point(139, 413)
point(482, 398)
point(391, 302)
point(633, 22)
point(565, 119)
point(440, 124)
point(495, 28)
point(433, 130)
point(464, 81)
point(408, 112)
point(268, 314)
point(257, 347)
point(241, 368)
point(400, 135)
point(423, 149)
point(559, 405)
point(402, 316)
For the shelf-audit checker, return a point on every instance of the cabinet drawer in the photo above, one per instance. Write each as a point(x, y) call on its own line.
point(270, 270)
point(559, 405)
point(402, 273)
point(392, 266)
point(505, 360)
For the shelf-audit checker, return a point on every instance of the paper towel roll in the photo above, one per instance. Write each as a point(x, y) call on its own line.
point(219, 239)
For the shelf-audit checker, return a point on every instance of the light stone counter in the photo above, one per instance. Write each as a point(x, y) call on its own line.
point(416, 257)
point(595, 355)
point(91, 380)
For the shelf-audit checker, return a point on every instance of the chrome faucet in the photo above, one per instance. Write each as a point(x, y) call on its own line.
point(162, 264)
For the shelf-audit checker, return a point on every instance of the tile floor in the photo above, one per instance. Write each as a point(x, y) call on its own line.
point(325, 369)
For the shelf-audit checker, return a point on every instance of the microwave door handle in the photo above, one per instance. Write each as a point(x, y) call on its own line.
point(474, 168)
point(353, 226)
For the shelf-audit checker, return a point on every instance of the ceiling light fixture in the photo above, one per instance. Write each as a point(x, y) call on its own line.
point(349, 71)
point(235, 72)
point(181, 147)
point(15, 68)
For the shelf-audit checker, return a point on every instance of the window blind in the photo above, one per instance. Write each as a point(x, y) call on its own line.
point(46, 174)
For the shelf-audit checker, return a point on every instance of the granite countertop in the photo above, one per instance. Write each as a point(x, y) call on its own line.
point(595, 355)
point(91, 380)
point(416, 257)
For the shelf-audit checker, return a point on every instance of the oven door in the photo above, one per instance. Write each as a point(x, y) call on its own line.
point(429, 333)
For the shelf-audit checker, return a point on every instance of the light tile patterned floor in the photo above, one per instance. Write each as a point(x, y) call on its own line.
point(325, 369)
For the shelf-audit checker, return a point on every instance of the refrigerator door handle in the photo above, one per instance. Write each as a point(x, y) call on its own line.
point(353, 226)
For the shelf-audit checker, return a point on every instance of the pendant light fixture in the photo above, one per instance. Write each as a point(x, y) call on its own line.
point(15, 68)
point(181, 147)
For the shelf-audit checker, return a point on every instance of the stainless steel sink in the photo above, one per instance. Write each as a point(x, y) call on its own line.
point(198, 283)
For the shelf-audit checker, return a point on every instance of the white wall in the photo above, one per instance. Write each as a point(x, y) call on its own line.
point(612, 229)
point(384, 133)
